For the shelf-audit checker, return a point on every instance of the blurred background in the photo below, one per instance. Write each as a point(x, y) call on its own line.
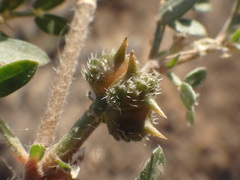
point(208, 150)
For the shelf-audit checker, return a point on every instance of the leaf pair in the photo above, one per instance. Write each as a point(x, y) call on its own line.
point(172, 11)
point(187, 89)
point(50, 23)
point(18, 63)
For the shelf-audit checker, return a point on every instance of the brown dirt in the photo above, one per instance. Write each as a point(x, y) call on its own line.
point(208, 150)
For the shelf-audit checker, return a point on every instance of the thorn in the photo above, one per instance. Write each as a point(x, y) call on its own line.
point(132, 65)
point(120, 54)
point(154, 106)
point(150, 129)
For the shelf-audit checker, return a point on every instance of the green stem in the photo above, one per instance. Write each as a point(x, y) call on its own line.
point(227, 28)
point(13, 142)
point(77, 135)
point(157, 40)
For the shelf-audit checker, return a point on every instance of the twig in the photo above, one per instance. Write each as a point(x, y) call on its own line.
point(64, 75)
point(224, 31)
point(201, 48)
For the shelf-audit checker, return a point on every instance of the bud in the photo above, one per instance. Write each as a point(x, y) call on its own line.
point(108, 68)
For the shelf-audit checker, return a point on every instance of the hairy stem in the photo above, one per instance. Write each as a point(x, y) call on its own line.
point(64, 74)
point(14, 143)
point(77, 135)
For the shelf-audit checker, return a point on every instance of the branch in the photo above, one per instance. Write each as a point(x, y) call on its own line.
point(68, 62)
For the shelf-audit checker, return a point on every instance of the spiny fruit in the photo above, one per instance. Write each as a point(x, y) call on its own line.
point(129, 92)
point(131, 104)
point(108, 68)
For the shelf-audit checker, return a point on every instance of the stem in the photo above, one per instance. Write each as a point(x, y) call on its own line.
point(13, 142)
point(64, 75)
point(184, 56)
point(157, 40)
point(77, 135)
point(229, 22)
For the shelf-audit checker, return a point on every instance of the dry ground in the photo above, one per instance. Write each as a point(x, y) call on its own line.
point(209, 150)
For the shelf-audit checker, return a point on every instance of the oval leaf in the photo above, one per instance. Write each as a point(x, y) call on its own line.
point(174, 9)
point(15, 75)
point(203, 6)
point(154, 167)
point(188, 95)
point(52, 24)
point(13, 50)
point(46, 4)
point(196, 77)
point(188, 26)
point(10, 4)
point(37, 151)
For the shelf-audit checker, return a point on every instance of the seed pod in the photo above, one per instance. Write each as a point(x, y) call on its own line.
point(130, 104)
point(107, 69)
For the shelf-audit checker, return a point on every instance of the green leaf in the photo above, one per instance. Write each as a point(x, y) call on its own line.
point(37, 151)
point(15, 75)
point(63, 165)
point(172, 62)
point(235, 37)
point(46, 4)
point(188, 26)
point(174, 78)
point(13, 50)
point(187, 95)
point(3, 35)
point(196, 77)
point(154, 167)
point(203, 6)
point(52, 24)
point(10, 4)
point(172, 10)
point(190, 115)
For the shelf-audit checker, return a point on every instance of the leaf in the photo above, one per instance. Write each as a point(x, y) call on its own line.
point(63, 165)
point(172, 10)
point(190, 116)
point(37, 150)
point(154, 167)
point(203, 6)
point(235, 37)
point(187, 95)
point(47, 4)
point(15, 75)
point(188, 26)
point(52, 24)
point(10, 4)
point(196, 77)
point(13, 50)
point(3, 35)
point(174, 78)
point(172, 62)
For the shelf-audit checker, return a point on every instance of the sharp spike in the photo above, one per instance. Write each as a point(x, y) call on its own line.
point(150, 129)
point(120, 54)
point(132, 65)
point(154, 106)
